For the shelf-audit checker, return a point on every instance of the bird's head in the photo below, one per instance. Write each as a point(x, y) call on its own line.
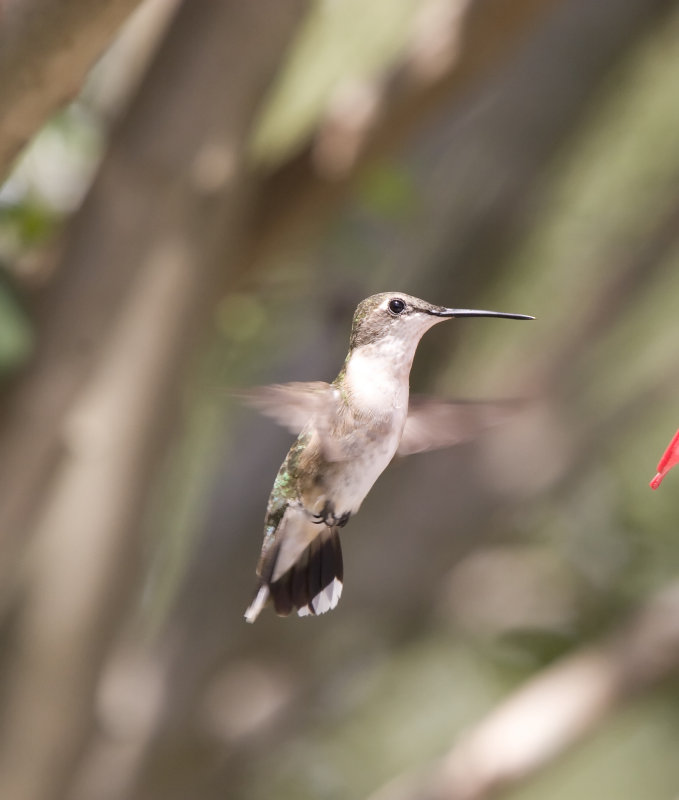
point(401, 317)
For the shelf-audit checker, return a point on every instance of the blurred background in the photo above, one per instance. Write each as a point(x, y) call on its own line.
point(195, 197)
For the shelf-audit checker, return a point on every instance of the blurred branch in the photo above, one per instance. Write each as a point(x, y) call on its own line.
point(46, 49)
point(563, 373)
point(478, 36)
point(612, 298)
point(453, 44)
point(553, 711)
point(141, 273)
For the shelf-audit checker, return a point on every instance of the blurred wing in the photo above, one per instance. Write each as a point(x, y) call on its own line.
point(432, 423)
point(294, 405)
point(297, 405)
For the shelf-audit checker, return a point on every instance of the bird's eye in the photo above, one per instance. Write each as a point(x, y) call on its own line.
point(396, 306)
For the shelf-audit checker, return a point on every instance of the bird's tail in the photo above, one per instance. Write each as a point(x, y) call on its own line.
point(303, 570)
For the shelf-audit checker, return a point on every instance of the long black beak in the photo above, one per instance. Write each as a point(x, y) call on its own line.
point(474, 312)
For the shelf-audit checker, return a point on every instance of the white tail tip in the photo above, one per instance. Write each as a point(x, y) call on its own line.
point(324, 601)
point(257, 604)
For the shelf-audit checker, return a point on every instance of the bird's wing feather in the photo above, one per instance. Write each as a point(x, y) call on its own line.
point(432, 424)
point(298, 405)
point(293, 405)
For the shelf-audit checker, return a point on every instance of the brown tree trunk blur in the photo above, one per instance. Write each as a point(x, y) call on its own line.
point(85, 426)
point(46, 49)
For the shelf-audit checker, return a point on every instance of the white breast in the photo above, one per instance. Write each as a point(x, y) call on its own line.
point(352, 480)
point(379, 390)
point(378, 381)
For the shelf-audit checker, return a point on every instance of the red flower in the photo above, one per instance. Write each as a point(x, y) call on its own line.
point(669, 459)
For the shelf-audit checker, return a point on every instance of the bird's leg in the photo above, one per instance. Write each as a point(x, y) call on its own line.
point(322, 515)
point(328, 517)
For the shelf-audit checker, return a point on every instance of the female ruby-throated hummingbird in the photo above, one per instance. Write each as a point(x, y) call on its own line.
point(349, 430)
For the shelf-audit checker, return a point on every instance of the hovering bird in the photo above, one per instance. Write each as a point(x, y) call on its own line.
point(349, 430)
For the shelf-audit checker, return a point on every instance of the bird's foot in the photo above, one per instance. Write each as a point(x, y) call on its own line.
point(327, 516)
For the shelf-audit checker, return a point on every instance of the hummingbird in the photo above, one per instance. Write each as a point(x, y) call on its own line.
point(348, 432)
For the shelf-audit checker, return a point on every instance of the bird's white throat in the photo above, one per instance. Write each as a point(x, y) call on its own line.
point(377, 377)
